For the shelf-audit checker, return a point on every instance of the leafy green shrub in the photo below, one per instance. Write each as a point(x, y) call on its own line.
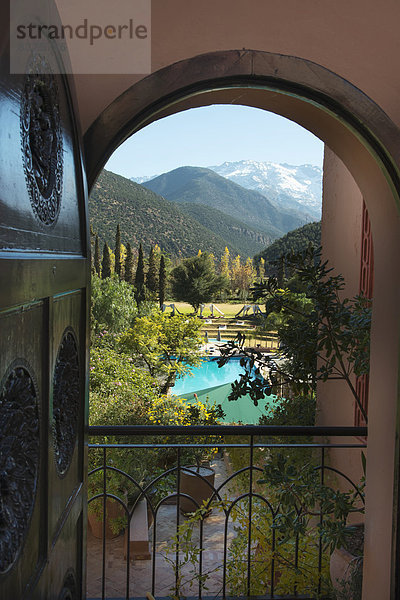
point(120, 393)
point(166, 345)
point(300, 523)
point(123, 394)
point(290, 563)
point(113, 304)
point(322, 336)
point(171, 410)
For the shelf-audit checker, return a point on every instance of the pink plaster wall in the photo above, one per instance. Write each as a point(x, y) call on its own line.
point(338, 188)
point(358, 40)
point(341, 239)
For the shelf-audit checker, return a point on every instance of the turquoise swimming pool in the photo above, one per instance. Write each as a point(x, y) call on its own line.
point(208, 375)
point(211, 383)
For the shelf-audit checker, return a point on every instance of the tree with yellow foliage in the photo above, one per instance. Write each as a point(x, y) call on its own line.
point(261, 268)
point(224, 264)
point(242, 276)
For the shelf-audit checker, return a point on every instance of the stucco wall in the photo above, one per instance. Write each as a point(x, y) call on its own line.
point(357, 40)
point(341, 243)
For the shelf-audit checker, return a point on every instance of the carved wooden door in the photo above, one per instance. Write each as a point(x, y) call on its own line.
point(43, 336)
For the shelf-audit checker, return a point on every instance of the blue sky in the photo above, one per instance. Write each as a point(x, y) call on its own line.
point(211, 135)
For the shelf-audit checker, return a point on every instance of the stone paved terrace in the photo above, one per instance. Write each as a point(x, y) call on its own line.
point(140, 572)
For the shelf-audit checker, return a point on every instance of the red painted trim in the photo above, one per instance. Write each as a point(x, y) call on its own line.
point(366, 287)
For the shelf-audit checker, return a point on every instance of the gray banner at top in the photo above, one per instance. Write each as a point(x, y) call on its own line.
point(85, 36)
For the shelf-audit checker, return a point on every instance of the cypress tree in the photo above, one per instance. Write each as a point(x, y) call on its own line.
point(139, 278)
point(281, 276)
point(151, 277)
point(129, 264)
point(106, 263)
point(117, 267)
point(162, 281)
point(96, 260)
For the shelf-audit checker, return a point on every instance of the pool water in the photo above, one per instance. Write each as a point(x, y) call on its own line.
point(209, 382)
point(208, 375)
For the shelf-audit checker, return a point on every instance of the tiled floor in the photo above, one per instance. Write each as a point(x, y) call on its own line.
point(140, 577)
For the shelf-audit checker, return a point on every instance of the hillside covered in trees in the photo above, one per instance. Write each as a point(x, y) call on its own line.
point(295, 241)
point(236, 233)
point(147, 217)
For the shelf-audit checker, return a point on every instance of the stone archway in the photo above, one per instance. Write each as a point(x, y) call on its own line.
point(366, 140)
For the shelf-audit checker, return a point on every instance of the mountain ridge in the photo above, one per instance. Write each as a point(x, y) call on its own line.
point(199, 185)
point(296, 187)
point(291, 186)
point(146, 217)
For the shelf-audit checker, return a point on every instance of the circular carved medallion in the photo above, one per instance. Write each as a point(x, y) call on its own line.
point(42, 141)
point(69, 589)
point(19, 460)
point(66, 387)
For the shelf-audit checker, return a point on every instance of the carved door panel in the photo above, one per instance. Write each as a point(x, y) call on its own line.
point(44, 273)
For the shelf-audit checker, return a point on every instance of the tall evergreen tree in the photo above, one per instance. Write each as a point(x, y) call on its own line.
point(162, 280)
point(281, 275)
point(106, 263)
point(128, 276)
point(92, 241)
point(96, 259)
point(139, 278)
point(117, 267)
point(152, 275)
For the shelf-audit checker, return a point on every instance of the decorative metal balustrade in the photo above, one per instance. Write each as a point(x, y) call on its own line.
point(226, 544)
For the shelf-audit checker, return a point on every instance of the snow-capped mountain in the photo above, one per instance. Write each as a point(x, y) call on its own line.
point(298, 188)
point(290, 186)
point(144, 178)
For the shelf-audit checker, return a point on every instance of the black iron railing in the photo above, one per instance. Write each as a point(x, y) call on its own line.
point(222, 544)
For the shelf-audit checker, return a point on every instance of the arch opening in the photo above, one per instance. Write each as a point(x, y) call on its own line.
point(365, 140)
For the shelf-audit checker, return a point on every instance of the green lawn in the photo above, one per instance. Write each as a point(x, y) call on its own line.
point(229, 310)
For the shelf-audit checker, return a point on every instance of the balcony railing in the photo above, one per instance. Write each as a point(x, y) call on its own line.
point(225, 543)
